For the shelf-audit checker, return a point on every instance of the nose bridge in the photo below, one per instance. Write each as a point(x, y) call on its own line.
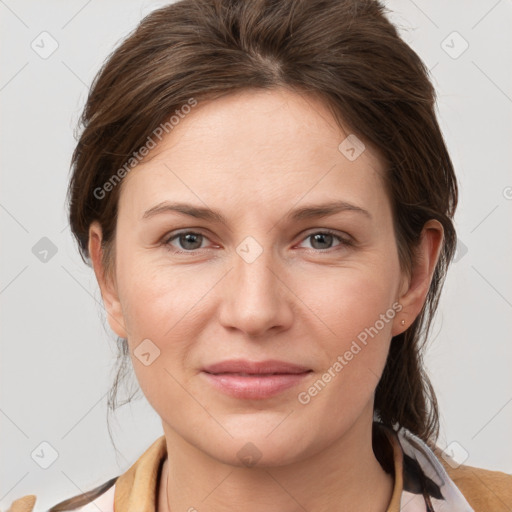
point(256, 275)
point(254, 272)
point(254, 301)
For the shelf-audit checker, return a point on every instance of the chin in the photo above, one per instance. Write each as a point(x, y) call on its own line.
point(258, 445)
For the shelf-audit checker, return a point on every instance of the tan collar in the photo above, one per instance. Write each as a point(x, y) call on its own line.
point(137, 489)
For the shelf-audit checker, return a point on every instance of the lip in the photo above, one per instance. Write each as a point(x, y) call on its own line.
point(254, 380)
point(255, 367)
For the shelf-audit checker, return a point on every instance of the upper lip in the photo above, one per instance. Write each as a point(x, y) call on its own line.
point(254, 367)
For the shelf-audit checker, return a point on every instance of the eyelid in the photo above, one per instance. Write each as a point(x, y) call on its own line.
point(345, 239)
point(171, 236)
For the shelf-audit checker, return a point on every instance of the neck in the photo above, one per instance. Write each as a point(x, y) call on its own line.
point(337, 478)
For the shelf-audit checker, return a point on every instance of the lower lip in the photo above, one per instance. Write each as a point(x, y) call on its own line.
point(254, 387)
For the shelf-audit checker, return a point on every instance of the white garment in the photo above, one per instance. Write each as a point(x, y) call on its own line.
point(453, 500)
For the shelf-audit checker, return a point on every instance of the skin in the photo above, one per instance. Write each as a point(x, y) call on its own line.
point(254, 156)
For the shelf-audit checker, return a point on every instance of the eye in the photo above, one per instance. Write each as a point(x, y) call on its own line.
point(187, 240)
point(190, 241)
point(321, 240)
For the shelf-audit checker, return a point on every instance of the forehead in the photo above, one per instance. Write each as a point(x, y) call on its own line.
point(257, 145)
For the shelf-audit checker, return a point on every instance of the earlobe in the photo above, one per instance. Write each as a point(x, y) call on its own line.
point(415, 289)
point(106, 282)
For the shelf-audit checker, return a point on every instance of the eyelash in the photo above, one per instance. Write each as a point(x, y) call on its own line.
point(345, 241)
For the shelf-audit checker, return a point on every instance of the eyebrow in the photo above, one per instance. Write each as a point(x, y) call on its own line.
point(306, 212)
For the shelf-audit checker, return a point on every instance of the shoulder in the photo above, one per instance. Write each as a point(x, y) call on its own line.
point(457, 485)
point(140, 479)
point(23, 504)
point(99, 498)
point(483, 489)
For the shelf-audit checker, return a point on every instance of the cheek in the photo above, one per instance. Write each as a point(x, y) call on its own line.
point(161, 308)
point(158, 298)
point(348, 300)
point(354, 309)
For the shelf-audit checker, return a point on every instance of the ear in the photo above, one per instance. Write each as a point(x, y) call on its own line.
point(414, 290)
point(106, 282)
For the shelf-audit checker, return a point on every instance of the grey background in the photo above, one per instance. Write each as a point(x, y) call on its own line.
point(57, 352)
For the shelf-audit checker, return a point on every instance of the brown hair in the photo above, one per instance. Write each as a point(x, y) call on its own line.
point(345, 52)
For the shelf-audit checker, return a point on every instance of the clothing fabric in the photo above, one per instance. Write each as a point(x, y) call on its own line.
point(424, 481)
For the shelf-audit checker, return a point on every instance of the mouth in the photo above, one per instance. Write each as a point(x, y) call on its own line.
point(243, 374)
point(243, 366)
point(254, 380)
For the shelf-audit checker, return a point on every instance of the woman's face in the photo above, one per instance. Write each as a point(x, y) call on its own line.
point(265, 273)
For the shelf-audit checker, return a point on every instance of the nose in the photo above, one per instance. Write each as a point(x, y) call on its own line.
point(255, 297)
